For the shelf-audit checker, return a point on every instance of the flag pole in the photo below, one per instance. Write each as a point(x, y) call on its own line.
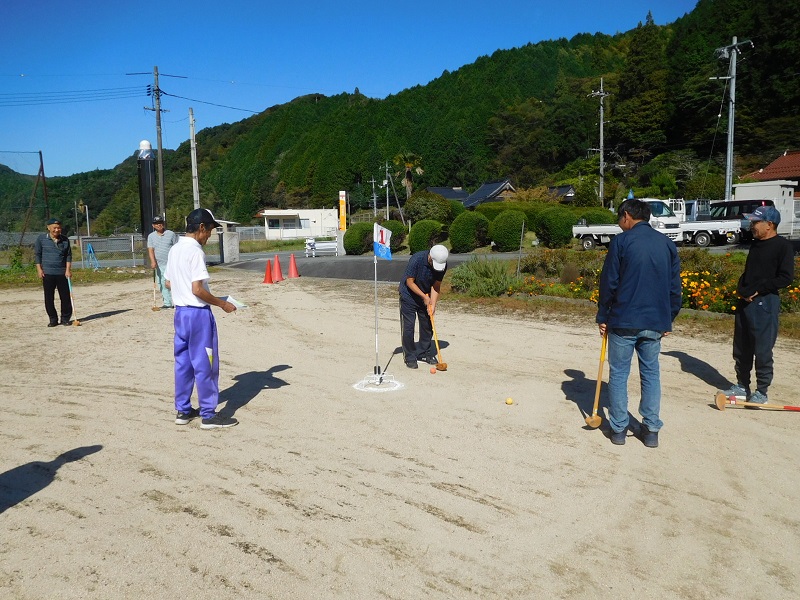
point(377, 370)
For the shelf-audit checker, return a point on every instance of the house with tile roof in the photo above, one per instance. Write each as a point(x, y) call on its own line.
point(495, 191)
point(785, 167)
point(450, 193)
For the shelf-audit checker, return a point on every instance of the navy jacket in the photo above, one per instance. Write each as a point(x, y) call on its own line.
point(640, 286)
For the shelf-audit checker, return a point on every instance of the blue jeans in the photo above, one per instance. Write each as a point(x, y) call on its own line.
point(621, 344)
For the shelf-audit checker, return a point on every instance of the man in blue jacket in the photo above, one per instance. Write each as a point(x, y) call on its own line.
point(640, 296)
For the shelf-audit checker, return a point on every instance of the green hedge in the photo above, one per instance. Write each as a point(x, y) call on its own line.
point(554, 227)
point(358, 238)
point(425, 234)
point(596, 216)
point(531, 210)
point(424, 205)
point(468, 231)
point(507, 229)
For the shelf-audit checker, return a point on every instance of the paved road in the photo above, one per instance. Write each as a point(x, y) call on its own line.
point(349, 267)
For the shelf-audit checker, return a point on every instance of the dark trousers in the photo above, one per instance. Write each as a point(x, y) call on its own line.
point(51, 283)
point(410, 312)
point(754, 335)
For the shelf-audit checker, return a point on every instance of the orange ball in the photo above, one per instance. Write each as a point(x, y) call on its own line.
point(433, 370)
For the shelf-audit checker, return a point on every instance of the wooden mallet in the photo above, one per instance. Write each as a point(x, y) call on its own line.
point(594, 420)
point(721, 400)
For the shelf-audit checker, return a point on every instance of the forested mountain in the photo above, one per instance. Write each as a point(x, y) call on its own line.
point(525, 113)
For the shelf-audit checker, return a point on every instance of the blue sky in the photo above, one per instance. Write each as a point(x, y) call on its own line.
point(242, 54)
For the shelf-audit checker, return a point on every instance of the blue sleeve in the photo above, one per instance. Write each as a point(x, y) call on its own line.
point(609, 281)
point(675, 292)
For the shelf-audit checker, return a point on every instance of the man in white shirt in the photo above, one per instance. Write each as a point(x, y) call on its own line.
point(196, 343)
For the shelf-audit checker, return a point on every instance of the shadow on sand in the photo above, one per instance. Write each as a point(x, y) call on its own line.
point(22, 482)
point(248, 386)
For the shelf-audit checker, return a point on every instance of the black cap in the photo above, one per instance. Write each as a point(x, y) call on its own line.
point(201, 216)
point(158, 220)
point(53, 222)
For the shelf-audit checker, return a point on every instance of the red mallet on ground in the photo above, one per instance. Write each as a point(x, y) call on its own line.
point(722, 401)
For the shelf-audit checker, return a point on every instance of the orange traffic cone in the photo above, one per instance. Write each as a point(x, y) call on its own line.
point(268, 274)
point(292, 267)
point(276, 270)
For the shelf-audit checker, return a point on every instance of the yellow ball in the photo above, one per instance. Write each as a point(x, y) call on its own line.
point(509, 401)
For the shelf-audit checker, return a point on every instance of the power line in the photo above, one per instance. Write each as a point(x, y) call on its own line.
point(255, 112)
point(70, 96)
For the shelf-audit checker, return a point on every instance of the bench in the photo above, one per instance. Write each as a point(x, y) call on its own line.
point(313, 247)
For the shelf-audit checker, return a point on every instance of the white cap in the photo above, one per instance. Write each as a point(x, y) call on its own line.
point(439, 255)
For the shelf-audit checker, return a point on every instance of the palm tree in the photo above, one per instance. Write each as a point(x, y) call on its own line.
point(411, 163)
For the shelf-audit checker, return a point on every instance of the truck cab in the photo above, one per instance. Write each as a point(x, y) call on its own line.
point(736, 210)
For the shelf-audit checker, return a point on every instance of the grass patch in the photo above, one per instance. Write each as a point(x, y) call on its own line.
point(27, 276)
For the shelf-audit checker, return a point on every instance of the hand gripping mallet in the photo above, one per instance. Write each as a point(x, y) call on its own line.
point(155, 308)
point(594, 420)
point(75, 321)
point(440, 366)
point(721, 400)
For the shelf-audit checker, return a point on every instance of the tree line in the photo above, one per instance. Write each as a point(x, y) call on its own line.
point(525, 113)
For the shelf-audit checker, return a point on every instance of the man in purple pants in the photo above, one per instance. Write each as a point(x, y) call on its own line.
point(196, 344)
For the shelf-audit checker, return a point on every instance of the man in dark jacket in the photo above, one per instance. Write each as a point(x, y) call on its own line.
point(769, 267)
point(53, 258)
point(419, 291)
point(640, 296)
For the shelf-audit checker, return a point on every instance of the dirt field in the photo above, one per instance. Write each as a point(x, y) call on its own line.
point(436, 490)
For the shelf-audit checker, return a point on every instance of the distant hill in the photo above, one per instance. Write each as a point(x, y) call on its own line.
point(524, 113)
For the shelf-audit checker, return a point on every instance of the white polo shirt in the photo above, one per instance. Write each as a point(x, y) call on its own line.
point(186, 263)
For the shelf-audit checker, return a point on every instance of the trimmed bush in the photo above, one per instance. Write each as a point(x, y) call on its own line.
point(554, 227)
point(399, 234)
point(358, 238)
point(456, 208)
point(425, 234)
point(506, 230)
point(424, 205)
point(596, 216)
point(470, 230)
point(531, 210)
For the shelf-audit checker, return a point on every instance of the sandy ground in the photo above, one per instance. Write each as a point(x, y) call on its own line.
point(435, 490)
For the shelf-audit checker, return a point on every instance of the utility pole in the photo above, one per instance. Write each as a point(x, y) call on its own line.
point(601, 94)
point(193, 145)
point(374, 199)
point(730, 52)
point(157, 95)
point(386, 183)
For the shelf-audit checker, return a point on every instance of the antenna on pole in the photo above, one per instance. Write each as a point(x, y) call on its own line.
point(730, 53)
point(601, 94)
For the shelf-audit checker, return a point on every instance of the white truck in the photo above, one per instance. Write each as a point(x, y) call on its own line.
point(663, 219)
point(779, 193)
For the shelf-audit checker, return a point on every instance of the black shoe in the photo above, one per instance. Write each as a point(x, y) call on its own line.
point(649, 438)
point(66, 322)
point(53, 324)
point(166, 307)
point(618, 437)
point(431, 360)
point(412, 364)
point(218, 421)
point(183, 418)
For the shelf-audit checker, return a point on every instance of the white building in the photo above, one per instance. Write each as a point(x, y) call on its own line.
point(301, 223)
